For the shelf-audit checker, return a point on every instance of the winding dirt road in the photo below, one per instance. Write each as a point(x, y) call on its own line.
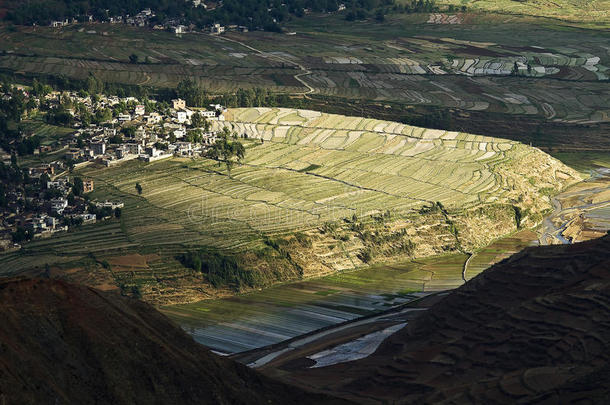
point(298, 77)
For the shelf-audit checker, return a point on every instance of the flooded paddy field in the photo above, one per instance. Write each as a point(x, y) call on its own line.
point(266, 317)
point(261, 318)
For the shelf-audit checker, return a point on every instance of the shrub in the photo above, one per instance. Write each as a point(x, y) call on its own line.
point(220, 270)
point(303, 239)
point(329, 227)
point(366, 255)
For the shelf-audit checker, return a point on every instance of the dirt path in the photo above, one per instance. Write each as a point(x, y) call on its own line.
point(298, 76)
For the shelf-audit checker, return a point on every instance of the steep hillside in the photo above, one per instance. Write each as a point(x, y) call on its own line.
point(534, 328)
point(66, 344)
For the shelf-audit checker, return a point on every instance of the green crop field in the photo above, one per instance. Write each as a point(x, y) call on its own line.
point(303, 171)
point(409, 60)
point(578, 11)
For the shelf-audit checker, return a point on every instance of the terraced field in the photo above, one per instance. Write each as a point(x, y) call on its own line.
point(577, 11)
point(266, 317)
point(316, 193)
point(378, 163)
point(468, 68)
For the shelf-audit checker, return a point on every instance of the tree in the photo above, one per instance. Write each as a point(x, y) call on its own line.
point(225, 150)
point(379, 16)
point(197, 120)
point(21, 235)
point(161, 146)
point(197, 263)
point(138, 188)
point(115, 139)
point(136, 292)
point(44, 178)
point(94, 86)
point(103, 115)
point(239, 150)
point(133, 58)
point(193, 94)
point(129, 132)
point(77, 187)
point(117, 212)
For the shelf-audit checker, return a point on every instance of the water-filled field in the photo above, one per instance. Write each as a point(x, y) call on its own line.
point(270, 316)
point(265, 317)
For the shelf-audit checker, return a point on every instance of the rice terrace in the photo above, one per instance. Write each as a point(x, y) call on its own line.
point(304, 201)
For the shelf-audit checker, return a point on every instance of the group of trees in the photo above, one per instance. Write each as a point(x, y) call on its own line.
point(219, 269)
point(438, 119)
point(12, 135)
point(225, 150)
point(254, 14)
point(197, 96)
point(417, 6)
point(414, 6)
point(104, 212)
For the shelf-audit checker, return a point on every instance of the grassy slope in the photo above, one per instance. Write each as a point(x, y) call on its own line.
point(580, 11)
point(312, 169)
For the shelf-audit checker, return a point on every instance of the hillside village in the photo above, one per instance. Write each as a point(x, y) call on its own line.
point(146, 18)
point(104, 130)
point(214, 17)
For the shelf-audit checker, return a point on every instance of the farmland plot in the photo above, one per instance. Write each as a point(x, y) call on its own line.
point(303, 169)
point(368, 159)
point(316, 193)
point(276, 314)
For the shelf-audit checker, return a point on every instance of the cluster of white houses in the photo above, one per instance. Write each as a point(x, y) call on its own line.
point(155, 136)
point(144, 19)
point(126, 128)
